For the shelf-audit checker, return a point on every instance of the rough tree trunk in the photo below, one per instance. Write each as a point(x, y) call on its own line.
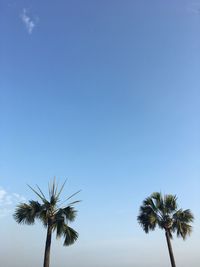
point(47, 246)
point(170, 249)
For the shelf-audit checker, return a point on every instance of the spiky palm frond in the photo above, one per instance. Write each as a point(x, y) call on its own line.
point(40, 195)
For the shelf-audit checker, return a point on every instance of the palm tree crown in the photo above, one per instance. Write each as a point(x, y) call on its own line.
point(162, 211)
point(50, 212)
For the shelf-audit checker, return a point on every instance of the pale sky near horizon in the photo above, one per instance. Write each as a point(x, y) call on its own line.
point(106, 94)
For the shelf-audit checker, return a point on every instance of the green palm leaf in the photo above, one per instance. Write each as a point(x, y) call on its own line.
point(70, 236)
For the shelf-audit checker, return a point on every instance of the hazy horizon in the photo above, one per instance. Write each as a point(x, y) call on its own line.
point(106, 94)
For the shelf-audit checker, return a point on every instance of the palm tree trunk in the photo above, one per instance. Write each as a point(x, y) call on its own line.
point(170, 249)
point(47, 246)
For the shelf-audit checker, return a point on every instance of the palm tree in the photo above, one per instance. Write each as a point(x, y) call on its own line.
point(53, 215)
point(162, 211)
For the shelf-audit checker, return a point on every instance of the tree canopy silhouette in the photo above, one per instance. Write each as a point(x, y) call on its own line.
point(162, 211)
point(54, 215)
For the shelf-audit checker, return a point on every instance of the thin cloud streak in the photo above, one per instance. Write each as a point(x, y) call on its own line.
point(28, 22)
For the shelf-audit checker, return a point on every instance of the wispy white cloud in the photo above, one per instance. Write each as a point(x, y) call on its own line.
point(8, 201)
point(29, 22)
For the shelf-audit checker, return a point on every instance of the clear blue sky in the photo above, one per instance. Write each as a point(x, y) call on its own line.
point(107, 94)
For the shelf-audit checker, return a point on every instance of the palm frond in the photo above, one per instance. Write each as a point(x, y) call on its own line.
point(69, 213)
point(39, 195)
point(43, 217)
point(74, 202)
point(170, 203)
point(70, 198)
point(63, 230)
point(42, 194)
point(182, 220)
point(70, 236)
point(159, 203)
point(147, 218)
point(149, 202)
point(59, 226)
point(27, 213)
point(61, 188)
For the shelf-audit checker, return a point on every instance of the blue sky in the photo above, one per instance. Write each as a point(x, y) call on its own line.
point(105, 93)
